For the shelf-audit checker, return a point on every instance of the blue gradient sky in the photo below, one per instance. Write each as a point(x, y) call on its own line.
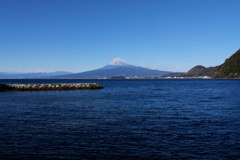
point(82, 35)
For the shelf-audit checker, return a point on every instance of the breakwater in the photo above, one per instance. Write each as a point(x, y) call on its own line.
point(49, 87)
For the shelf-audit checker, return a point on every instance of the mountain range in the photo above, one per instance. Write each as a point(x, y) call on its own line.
point(5, 75)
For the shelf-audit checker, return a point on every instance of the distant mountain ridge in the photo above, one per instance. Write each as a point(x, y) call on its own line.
point(117, 67)
point(201, 71)
point(5, 75)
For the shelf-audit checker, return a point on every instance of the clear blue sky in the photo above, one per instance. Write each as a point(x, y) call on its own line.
point(82, 35)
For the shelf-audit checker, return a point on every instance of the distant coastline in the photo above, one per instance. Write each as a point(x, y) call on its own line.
point(119, 69)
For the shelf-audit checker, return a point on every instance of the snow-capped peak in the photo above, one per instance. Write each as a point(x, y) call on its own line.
point(118, 62)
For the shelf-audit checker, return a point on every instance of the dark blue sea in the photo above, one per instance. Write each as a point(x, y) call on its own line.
point(128, 119)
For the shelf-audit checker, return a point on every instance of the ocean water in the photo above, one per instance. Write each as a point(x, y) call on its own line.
point(128, 119)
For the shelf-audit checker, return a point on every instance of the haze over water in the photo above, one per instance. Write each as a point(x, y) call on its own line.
point(128, 119)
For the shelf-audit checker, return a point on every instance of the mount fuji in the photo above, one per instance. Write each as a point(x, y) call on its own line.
point(117, 67)
point(117, 62)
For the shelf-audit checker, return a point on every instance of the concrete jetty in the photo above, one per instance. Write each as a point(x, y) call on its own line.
point(49, 87)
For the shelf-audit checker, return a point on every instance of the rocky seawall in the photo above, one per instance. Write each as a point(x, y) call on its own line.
point(49, 87)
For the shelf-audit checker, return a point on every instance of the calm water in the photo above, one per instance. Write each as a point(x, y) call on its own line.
point(128, 119)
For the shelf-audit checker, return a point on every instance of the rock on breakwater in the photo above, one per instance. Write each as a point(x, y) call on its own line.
point(49, 87)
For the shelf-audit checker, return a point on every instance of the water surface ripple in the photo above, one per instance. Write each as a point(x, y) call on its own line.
point(128, 119)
